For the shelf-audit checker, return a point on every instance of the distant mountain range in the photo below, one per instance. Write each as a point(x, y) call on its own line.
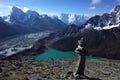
point(19, 22)
point(17, 16)
point(73, 18)
point(31, 21)
point(34, 20)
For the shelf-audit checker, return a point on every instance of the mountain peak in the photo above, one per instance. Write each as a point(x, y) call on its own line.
point(116, 9)
point(16, 9)
point(72, 18)
point(16, 15)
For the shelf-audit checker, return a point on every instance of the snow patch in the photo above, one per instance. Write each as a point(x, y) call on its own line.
point(107, 27)
point(8, 19)
point(71, 18)
point(25, 9)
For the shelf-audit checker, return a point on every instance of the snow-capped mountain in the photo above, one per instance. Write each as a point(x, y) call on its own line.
point(104, 22)
point(17, 15)
point(73, 18)
point(34, 20)
point(107, 20)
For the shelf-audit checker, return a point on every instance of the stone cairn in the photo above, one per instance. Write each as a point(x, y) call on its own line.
point(82, 58)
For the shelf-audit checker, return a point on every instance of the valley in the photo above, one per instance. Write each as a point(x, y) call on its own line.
point(21, 43)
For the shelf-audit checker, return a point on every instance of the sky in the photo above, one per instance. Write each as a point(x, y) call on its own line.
point(56, 7)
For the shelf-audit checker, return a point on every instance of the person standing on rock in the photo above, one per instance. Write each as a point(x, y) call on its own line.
point(82, 57)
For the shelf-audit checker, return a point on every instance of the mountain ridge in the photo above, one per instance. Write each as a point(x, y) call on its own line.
point(33, 19)
point(105, 20)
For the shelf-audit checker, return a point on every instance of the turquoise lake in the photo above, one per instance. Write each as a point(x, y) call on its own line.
point(55, 54)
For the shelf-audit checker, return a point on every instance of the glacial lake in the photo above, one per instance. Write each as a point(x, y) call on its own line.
point(55, 54)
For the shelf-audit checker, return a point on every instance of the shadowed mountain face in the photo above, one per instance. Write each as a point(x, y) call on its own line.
point(104, 43)
point(7, 30)
point(71, 30)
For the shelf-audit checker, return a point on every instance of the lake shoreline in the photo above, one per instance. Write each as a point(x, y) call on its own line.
point(56, 54)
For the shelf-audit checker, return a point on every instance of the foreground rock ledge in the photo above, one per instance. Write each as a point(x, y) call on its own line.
point(60, 69)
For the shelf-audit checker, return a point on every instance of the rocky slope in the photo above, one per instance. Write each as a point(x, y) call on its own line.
point(61, 69)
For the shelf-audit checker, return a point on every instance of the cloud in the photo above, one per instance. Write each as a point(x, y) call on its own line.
point(4, 9)
point(95, 2)
point(3, 6)
point(10, 8)
point(25, 9)
point(1, 14)
point(92, 8)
